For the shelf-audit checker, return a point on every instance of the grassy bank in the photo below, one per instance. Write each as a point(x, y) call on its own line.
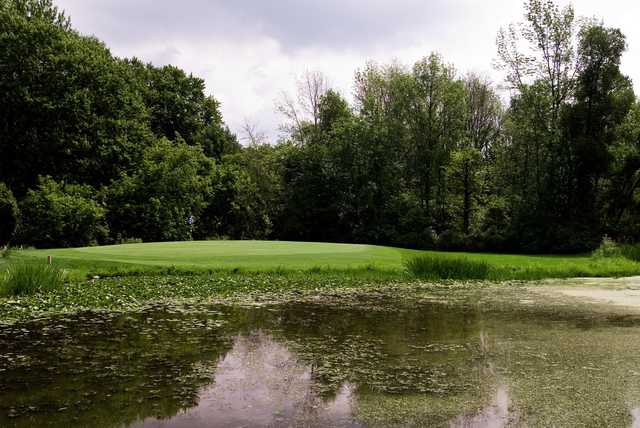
point(131, 276)
point(284, 257)
point(202, 256)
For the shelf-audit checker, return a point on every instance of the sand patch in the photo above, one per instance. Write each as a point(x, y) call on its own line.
point(614, 291)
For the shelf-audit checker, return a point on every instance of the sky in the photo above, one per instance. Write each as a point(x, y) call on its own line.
point(250, 51)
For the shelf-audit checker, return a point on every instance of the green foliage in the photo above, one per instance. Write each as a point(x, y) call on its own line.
point(463, 177)
point(610, 248)
point(424, 158)
point(9, 215)
point(245, 199)
point(333, 109)
point(218, 141)
point(631, 252)
point(163, 199)
point(71, 110)
point(178, 107)
point(23, 279)
point(57, 214)
point(5, 253)
point(607, 248)
point(44, 10)
point(68, 108)
point(429, 267)
point(292, 258)
point(311, 211)
point(494, 228)
point(562, 125)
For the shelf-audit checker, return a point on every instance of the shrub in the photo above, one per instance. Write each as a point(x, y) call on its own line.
point(608, 248)
point(631, 252)
point(61, 215)
point(25, 279)
point(120, 240)
point(9, 215)
point(5, 252)
point(430, 267)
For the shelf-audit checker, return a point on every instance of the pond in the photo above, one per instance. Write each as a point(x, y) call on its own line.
point(377, 359)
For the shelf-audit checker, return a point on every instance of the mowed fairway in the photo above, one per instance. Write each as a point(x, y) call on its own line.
point(252, 255)
point(289, 256)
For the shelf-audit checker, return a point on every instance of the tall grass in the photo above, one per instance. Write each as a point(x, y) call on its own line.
point(28, 278)
point(463, 268)
point(429, 267)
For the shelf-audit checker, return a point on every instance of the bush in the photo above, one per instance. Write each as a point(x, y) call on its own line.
point(120, 240)
point(430, 267)
point(61, 215)
point(163, 199)
point(631, 252)
point(25, 279)
point(5, 252)
point(609, 248)
point(9, 215)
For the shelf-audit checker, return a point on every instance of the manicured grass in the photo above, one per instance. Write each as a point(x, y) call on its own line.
point(225, 255)
point(282, 257)
point(144, 273)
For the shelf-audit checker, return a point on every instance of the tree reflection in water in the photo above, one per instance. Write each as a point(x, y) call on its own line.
point(259, 382)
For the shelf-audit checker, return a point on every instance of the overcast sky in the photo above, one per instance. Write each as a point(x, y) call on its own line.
point(248, 51)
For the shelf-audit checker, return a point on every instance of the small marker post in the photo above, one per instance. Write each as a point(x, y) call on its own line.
point(49, 260)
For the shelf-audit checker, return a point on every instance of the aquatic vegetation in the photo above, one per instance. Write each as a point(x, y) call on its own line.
point(446, 354)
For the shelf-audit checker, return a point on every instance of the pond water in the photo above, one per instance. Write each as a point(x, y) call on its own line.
point(380, 360)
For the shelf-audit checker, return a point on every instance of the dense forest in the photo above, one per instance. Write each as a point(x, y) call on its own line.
point(96, 149)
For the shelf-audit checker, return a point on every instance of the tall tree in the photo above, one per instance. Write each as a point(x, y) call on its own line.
point(569, 98)
point(437, 127)
point(541, 49)
point(302, 111)
point(622, 189)
point(603, 100)
point(484, 113)
point(67, 108)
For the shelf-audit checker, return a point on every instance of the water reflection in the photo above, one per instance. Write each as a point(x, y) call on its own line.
point(380, 361)
point(635, 415)
point(494, 415)
point(259, 382)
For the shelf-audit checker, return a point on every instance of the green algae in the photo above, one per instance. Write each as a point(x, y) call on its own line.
point(356, 354)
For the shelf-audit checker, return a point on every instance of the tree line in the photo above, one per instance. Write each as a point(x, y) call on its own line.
point(96, 149)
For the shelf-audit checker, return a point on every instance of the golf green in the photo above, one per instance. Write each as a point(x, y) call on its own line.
point(233, 254)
